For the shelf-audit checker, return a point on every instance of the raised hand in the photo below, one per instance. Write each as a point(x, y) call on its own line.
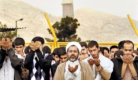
point(127, 59)
point(32, 46)
point(6, 43)
point(97, 62)
point(24, 73)
point(72, 69)
point(35, 45)
point(91, 61)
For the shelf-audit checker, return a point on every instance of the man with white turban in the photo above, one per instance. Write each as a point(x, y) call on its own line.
point(73, 69)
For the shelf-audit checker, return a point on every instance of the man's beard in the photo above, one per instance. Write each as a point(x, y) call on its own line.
point(95, 56)
point(74, 58)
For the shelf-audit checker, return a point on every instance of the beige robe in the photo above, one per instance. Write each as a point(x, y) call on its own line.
point(86, 72)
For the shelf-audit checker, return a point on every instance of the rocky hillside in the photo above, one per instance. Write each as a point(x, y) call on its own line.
point(33, 18)
point(104, 27)
point(93, 25)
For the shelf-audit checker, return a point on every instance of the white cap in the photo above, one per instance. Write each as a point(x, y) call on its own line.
point(75, 44)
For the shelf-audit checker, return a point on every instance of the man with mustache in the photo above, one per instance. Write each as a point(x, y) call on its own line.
point(73, 69)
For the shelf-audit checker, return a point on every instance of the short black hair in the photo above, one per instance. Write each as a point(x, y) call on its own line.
point(46, 49)
point(18, 41)
point(55, 51)
point(61, 51)
point(38, 39)
point(93, 43)
point(120, 44)
point(83, 44)
point(27, 49)
point(104, 48)
point(118, 54)
point(113, 46)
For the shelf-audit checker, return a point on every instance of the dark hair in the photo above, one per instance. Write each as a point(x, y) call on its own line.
point(120, 44)
point(137, 49)
point(27, 49)
point(55, 51)
point(38, 39)
point(83, 44)
point(46, 49)
point(113, 46)
point(61, 51)
point(104, 48)
point(136, 52)
point(18, 41)
point(118, 54)
point(128, 42)
point(93, 43)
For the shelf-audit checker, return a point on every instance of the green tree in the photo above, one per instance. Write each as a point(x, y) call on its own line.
point(66, 29)
point(9, 34)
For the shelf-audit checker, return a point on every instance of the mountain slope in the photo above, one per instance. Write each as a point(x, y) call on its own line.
point(93, 25)
point(33, 18)
point(103, 27)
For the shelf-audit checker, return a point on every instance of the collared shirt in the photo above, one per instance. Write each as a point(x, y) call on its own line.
point(20, 56)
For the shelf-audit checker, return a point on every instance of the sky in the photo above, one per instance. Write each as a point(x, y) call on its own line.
point(116, 7)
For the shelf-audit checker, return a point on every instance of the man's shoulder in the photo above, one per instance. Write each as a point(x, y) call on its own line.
point(103, 58)
point(83, 64)
point(136, 59)
point(106, 62)
point(62, 65)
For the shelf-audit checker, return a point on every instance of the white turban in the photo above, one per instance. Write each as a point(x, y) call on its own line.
point(75, 44)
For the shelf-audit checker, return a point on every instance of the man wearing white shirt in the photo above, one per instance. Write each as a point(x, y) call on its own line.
point(20, 73)
point(101, 65)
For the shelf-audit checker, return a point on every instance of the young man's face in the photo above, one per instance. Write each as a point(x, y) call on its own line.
point(128, 49)
point(63, 58)
point(19, 48)
point(73, 53)
point(106, 53)
point(94, 51)
point(56, 58)
point(112, 52)
point(84, 50)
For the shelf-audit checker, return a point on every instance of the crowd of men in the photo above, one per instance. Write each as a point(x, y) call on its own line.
point(75, 61)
